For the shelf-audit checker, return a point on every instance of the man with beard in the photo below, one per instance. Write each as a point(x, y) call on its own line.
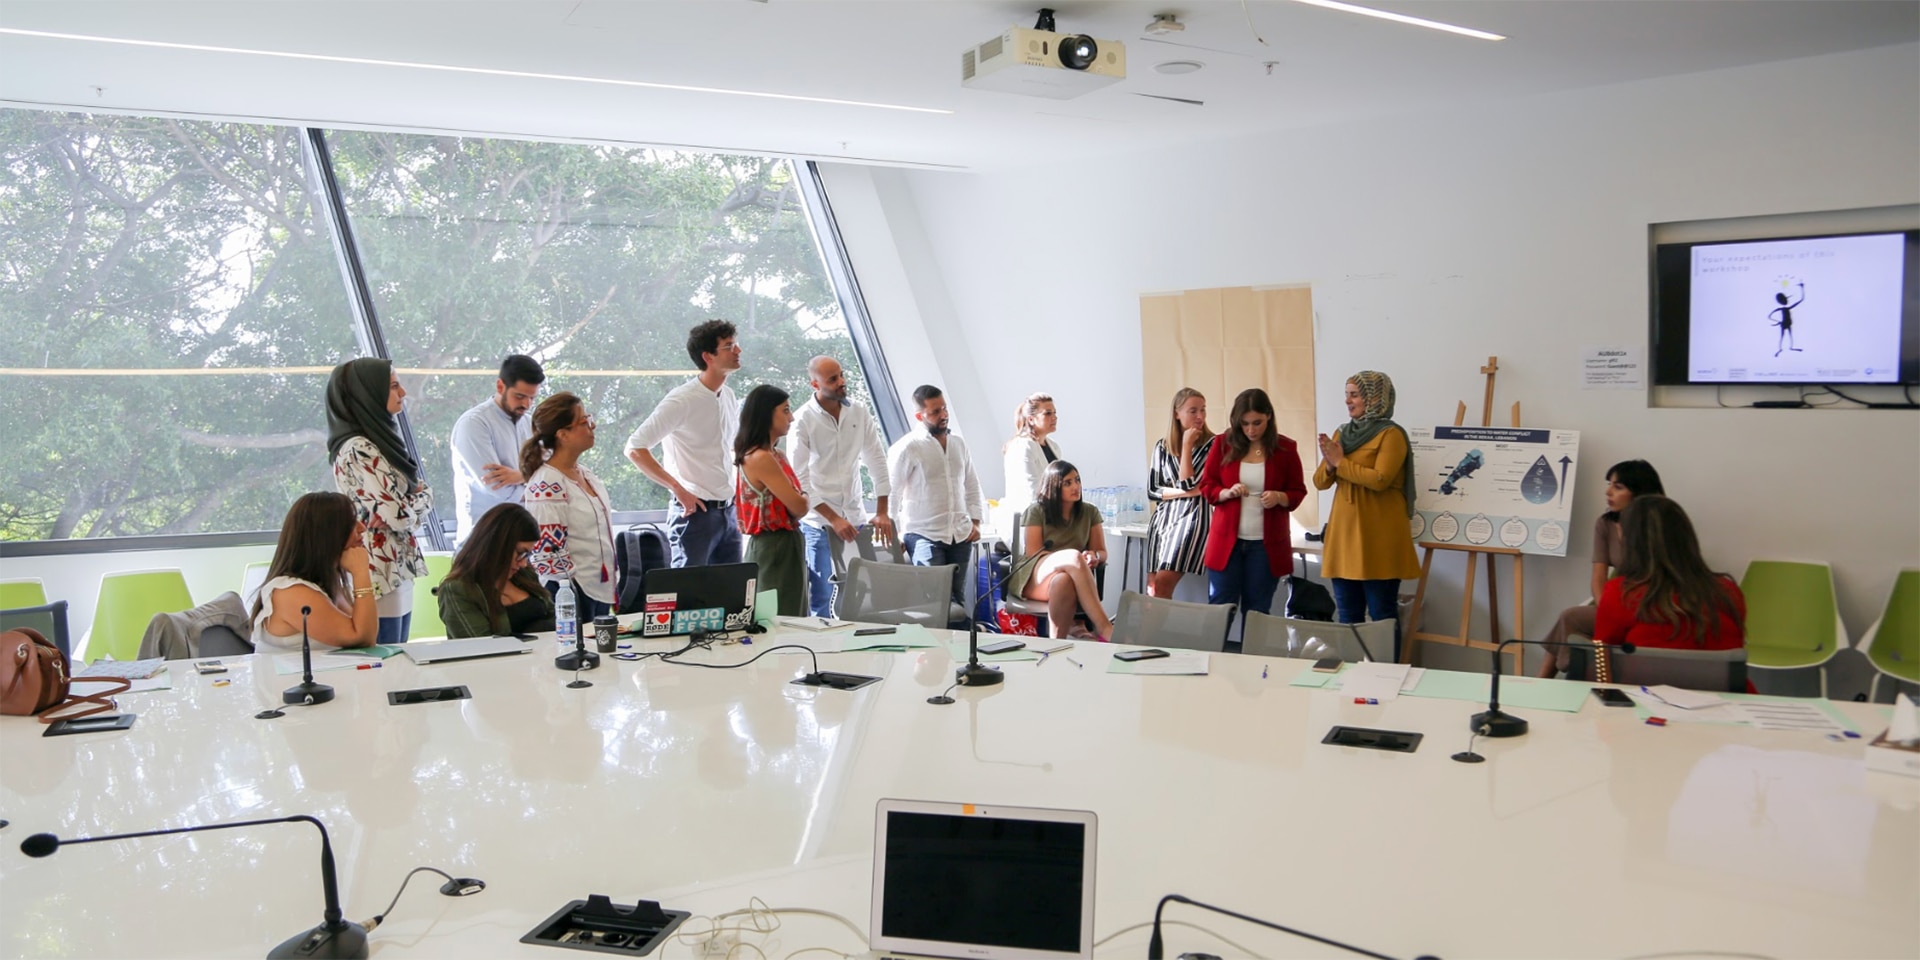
point(940, 506)
point(487, 441)
point(829, 441)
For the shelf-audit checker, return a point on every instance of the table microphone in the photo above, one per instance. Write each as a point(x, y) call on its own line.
point(1493, 723)
point(333, 938)
point(1156, 949)
point(976, 674)
point(306, 691)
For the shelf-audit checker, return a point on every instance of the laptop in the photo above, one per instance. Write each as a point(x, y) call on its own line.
point(683, 600)
point(471, 648)
point(960, 881)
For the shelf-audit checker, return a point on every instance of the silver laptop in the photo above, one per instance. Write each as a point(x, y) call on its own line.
point(441, 651)
point(963, 881)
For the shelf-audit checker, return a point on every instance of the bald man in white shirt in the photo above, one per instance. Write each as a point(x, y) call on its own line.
point(829, 442)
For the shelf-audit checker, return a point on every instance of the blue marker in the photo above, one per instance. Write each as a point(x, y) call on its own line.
point(1263, 671)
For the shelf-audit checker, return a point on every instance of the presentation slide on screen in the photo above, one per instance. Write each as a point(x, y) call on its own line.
point(1797, 311)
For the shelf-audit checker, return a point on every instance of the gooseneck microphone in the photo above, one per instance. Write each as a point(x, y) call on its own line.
point(306, 691)
point(335, 937)
point(1493, 723)
point(1156, 949)
point(975, 673)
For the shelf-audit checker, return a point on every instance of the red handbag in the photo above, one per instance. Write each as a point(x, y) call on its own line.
point(36, 679)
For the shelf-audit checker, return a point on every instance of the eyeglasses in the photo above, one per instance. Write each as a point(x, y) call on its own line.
point(589, 422)
point(523, 555)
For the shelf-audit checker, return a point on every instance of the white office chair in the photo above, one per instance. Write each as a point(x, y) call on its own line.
point(1270, 636)
point(1153, 622)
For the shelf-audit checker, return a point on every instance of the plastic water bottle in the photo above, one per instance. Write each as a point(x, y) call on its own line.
point(566, 618)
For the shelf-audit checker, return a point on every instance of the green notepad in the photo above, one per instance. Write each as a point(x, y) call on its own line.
point(1563, 695)
point(906, 636)
point(379, 651)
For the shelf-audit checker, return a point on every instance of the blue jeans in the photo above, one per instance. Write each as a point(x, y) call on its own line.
point(924, 552)
point(1379, 599)
point(826, 559)
point(705, 537)
point(394, 629)
point(1248, 579)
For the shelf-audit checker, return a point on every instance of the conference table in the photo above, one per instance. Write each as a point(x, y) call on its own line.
point(1596, 835)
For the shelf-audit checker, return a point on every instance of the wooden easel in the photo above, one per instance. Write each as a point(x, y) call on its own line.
point(1473, 553)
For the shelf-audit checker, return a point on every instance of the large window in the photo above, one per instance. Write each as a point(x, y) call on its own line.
point(595, 260)
point(173, 299)
point(171, 304)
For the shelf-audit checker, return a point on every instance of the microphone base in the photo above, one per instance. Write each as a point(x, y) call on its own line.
point(1468, 756)
point(309, 692)
point(978, 675)
point(581, 659)
point(1493, 725)
point(348, 941)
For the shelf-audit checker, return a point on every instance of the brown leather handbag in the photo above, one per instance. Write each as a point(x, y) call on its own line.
point(36, 679)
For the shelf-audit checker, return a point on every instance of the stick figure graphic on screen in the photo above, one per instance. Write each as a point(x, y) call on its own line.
point(1785, 323)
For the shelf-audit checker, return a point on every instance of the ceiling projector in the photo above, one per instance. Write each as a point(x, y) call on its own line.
point(1043, 63)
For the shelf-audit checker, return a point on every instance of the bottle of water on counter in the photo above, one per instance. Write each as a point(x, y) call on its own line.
point(566, 616)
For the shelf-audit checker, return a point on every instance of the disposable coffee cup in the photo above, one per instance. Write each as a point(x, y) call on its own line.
point(606, 631)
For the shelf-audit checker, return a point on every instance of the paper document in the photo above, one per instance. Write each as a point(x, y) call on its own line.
point(1684, 699)
point(288, 664)
point(1905, 728)
point(813, 623)
point(1374, 681)
point(1775, 715)
point(1177, 663)
point(123, 669)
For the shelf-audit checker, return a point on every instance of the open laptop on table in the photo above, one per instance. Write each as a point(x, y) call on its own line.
point(959, 881)
point(682, 600)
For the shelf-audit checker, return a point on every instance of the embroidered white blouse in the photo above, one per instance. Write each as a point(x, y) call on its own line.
point(576, 530)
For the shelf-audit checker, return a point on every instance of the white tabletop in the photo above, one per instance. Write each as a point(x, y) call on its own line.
point(1594, 836)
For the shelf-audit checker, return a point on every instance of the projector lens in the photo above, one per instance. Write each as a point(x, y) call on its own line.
point(1078, 52)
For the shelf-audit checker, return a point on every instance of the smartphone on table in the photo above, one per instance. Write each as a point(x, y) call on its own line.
point(1130, 656)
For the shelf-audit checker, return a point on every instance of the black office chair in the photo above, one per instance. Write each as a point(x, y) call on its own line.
point(50, 619)
point(1719, 671)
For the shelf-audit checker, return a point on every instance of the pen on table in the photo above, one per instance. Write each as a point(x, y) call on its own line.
point(1263, 671)
point(1076, 663)
point(368, 666)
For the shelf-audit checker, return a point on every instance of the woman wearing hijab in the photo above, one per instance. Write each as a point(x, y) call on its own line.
point(371, 466)
point(1369, 545)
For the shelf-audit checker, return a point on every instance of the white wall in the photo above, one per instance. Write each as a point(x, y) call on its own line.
point(1432, 242)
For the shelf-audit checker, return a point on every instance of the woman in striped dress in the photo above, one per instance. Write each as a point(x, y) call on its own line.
point(1177, 534)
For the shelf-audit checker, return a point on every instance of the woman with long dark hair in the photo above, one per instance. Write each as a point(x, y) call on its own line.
point(1665, 595)
point(491, 590)
point(372, 466)
point(1254, 480)
point(1625, 481)
point(768, 498)
point(1177, 532)
point(1062, 541)
point(570, 504)
point(319, 563)
point(1369, 545)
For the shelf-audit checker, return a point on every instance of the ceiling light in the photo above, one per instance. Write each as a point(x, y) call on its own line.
point(448, 68)
point(1401, 18)
point(1177, 67)
point(1164, 23)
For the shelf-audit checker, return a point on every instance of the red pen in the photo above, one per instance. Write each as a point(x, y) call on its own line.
point(369, 666)
point(1656, 721)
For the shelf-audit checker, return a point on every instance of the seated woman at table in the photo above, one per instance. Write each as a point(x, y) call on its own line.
point(1625, 480)
point(1061, 542)
point(320, 563)
point(1665, 596)
point(491, 590)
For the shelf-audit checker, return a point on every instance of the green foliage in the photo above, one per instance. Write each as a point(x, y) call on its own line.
point(149, 244)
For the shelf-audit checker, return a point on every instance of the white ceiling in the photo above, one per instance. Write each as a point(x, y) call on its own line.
point(1328, 66)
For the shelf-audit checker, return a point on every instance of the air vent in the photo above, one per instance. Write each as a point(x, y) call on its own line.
point(992, 48)
point(967, 66)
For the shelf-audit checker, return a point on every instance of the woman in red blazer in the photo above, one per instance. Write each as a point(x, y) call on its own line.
point(1253, 479)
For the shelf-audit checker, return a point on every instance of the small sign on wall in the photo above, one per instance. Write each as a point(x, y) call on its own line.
point(1612, 368)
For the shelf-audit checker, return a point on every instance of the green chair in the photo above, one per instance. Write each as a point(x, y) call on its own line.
point(426, 606)
point(15, 594)
point(127, 603)
point(1892, 644)
point(1793, 622)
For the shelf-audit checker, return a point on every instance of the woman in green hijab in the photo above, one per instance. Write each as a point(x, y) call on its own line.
point(371, 465)
point(1369, 545)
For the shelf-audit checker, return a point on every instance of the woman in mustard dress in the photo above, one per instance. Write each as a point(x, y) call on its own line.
point(1369, 466)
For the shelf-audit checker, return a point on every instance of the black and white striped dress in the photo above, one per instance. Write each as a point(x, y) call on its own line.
point(1177, 534)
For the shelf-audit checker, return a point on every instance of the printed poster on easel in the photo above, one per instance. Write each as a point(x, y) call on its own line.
point(1495, 486)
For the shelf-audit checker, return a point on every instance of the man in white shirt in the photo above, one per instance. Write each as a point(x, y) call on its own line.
point(487, 441)
point(829, 440)
point(937, 491)
point(695, 425)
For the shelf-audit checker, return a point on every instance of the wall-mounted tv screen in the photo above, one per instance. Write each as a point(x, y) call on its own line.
point(1789, 310)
